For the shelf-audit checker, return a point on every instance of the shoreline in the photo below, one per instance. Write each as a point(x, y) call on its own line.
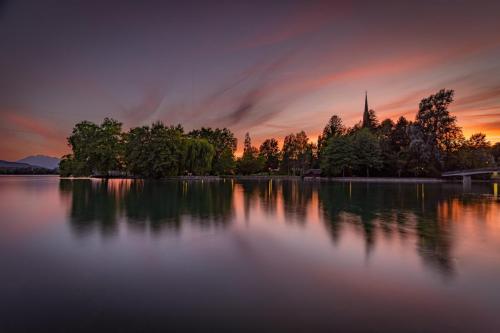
point(393, 180)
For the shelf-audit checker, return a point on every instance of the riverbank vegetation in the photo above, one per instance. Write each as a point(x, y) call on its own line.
point(426, 146)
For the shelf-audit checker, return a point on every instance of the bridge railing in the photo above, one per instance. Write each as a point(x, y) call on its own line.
point(470, 171)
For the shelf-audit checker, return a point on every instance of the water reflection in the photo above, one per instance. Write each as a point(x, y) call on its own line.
point(145, 204)
point(423, 215)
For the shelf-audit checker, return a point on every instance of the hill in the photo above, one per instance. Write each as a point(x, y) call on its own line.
point(14, 165)
point(43, 161)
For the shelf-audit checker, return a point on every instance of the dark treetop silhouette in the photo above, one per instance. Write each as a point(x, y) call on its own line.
point(427, 146)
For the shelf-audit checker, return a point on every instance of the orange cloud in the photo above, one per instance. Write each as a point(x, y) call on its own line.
point(48, 139)
point(32, 125)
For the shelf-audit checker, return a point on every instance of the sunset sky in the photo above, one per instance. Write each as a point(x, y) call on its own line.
point(266, 67)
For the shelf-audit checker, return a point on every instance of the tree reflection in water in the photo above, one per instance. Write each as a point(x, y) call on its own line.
point(153, 205)
point(412, 213)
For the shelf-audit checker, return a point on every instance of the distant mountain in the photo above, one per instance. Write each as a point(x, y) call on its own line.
point(41, 161)
point(14, 165)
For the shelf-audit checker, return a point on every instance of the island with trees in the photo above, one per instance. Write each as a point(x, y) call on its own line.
point(424, 147)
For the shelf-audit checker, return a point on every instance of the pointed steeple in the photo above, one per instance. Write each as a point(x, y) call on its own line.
point(366, 102)
point(366, 114)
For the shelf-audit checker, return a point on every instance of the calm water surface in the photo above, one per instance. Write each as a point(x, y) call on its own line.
point(123, 255)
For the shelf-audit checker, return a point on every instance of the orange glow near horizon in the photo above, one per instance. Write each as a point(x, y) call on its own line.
point(289, 66)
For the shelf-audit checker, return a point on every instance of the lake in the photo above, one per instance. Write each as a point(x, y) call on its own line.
point(271, 256)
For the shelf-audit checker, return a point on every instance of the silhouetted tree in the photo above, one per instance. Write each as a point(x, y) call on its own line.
point(270, 152)
point(475, 153)
point(295, 153)
point(335, 127)
point(439, 128)
point(250, 162)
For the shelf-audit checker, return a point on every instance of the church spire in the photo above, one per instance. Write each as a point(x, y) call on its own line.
point(366, 102)
point(366, 113)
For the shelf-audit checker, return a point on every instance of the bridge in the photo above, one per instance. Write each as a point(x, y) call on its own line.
point(466, 174)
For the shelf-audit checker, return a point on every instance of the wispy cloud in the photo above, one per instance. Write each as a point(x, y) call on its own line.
point(302, 20)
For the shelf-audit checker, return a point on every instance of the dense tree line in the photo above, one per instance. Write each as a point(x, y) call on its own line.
point(154, 151)
point(430, 144)
point(427, 146)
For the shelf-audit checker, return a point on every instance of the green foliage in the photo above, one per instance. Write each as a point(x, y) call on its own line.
point(297, 154)
point(335, 127)
point(270, 152)
point(198, 156)
point(351, 154)
point(69, 166)
point(426, 147)
point(224, 143)
point(367, 151)
point(96, 148)
point(338, 157)
point(251, 162)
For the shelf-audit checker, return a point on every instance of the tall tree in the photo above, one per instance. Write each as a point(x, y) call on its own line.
point(495, 151)
point(367, 151)
point(339, 156)
point(475, 153)
point(250, 162)
point(270, 151)
point(420, 152)
point(294, 153)
point(400, 143)
point(155, 152)
point(224, 143)
point(439, 127)
point(138, 156)
point(109, 148)
point(97, 148)
point(198, 156)
point(335, 127)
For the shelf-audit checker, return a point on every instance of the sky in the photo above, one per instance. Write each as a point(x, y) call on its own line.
point(269, 68)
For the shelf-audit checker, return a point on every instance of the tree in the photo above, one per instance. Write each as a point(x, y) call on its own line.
point(367, 151)
point(226, 163)
point(389, 152)
point(166, 150)
point(370, 120)
point(69, 166)
point(155, 152)
point(97, 148)
point(270, 152)
point(338, 156)
point(224, 142)
point(400, 143)
point(109, 148)
point(335, 127)
point(82, 142)
point(198, 156)
point(495, 151)
point(250, 162)
point(138, 151)
point(294, 153)
point(439, 127)
point(420, 152)
point(475, 153)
